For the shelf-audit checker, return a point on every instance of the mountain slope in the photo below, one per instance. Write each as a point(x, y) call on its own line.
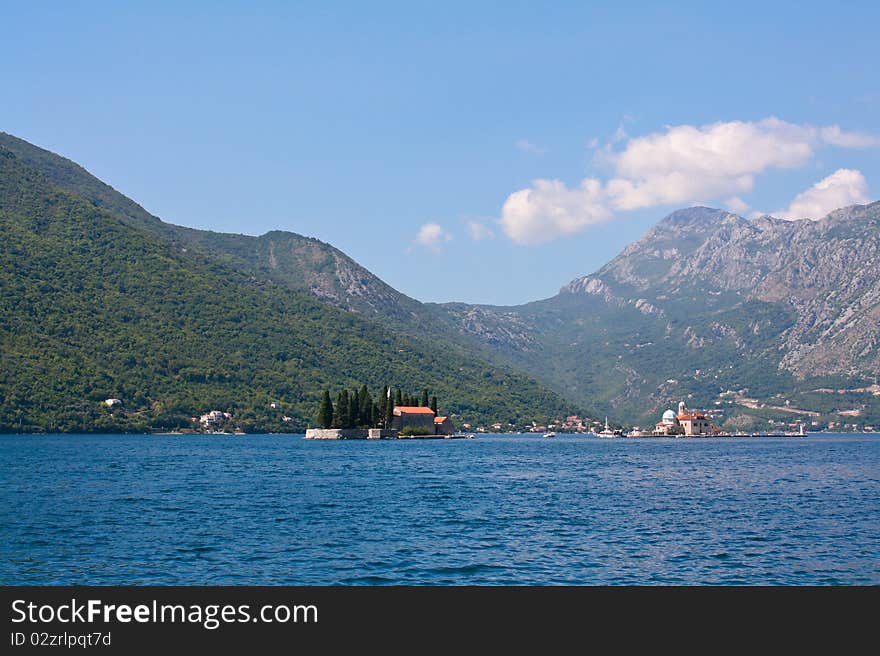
point(823, 273)
point(94, 307)
point(723, 311)
point(755, 317)
point(300, 263)
point(297, 263)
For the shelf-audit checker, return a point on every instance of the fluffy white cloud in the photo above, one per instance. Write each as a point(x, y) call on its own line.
point(548, 210)
point(674, 188)
point(841, 188)
point(687, 163)
point(479, 231)
point(432, 236)
point(680, 165)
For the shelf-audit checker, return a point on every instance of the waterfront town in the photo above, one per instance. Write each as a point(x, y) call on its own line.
point(684, 423)
point(407, 416)
point(424, 422)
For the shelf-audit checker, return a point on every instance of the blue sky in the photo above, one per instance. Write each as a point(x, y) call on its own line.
point(399, 132)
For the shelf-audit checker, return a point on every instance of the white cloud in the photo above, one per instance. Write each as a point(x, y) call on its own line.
point(841, 188)
point(528, 147)
point(687, 163)
point(548, 210)
point(679, 165)
point(479, 231)
point(674, 188)
point(432, 236)
point(737, 205)
point(836, 137)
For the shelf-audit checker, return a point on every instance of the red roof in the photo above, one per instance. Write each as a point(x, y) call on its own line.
point(412, 410)
point(696, 416)
point(439, 420)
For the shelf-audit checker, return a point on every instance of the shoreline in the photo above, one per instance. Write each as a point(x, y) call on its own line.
point(301, 435)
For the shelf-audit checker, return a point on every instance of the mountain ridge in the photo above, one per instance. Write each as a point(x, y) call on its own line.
point(788, 301)
point(766, 305)
point(352, 287)
point(94, 308)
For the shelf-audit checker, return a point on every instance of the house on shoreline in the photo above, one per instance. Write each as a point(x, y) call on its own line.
point(214, 419)
point(420, 418)
point(443, 426)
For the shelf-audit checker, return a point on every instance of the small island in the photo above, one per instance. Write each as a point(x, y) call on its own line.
point(355, 416)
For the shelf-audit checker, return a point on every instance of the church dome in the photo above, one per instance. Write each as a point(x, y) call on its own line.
point(668, 417)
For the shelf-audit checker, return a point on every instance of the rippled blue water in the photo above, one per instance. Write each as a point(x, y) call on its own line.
point(272, 509)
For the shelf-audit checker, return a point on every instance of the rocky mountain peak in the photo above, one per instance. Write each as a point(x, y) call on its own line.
point(696, 217)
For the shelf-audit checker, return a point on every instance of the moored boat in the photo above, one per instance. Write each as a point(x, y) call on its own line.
point(607, 432)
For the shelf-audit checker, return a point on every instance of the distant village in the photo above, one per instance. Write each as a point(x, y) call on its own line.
point(399, 415)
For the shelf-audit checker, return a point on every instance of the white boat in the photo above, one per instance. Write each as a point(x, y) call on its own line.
point(550, 434)
point(606, 432)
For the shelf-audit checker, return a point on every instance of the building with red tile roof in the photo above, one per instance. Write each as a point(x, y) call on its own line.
point(418, 417)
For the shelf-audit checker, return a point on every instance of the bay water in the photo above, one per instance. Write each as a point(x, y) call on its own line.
point(499, 509)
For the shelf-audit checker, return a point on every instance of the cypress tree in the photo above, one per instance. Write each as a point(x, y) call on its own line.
point(398, 397)
point(365, 410)
point(325, 411)
point(389, 414)
point(424, 402)
point(338, 418)
point(434, 405)
point(383, 402)
point(344, 410)
point(354, 409)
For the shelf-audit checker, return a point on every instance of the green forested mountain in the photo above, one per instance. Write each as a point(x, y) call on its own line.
point(755, 319)
point(300, 263)
point(97, 303)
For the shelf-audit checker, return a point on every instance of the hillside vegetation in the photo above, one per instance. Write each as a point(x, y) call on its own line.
point(749, 318)
point(754, 319)
point(94, 306)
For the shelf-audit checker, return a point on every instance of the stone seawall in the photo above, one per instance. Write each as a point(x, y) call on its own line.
point(383, 434)
point(371, 434)
point(350, 434)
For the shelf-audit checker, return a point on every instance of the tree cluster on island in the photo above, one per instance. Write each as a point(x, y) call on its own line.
point(357, 409)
